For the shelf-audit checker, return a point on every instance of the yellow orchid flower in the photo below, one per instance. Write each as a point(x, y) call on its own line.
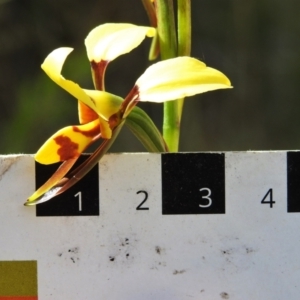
point(96, 106)
point(101, 113)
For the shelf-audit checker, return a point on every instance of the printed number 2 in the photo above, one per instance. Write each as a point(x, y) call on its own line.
point(79, 199)
point(270, 194)
point(139, 207)
point(207, 197)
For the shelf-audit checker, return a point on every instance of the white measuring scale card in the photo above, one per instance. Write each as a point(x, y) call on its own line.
point(157, 226)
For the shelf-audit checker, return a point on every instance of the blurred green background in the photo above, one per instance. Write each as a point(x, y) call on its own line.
point(255, 43)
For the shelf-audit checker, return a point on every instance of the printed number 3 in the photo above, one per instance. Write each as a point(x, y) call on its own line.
point(207, 197)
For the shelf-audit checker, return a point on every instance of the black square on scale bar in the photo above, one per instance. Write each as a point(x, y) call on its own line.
point(82, 199)
point(293, 182)
point(193, 183)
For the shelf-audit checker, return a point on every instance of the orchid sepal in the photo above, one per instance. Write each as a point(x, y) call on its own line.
point(177, 78)
point(68, 143)
point(108, 41)
point(58, 184)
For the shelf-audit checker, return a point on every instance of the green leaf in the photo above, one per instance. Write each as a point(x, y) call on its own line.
point(145, 130)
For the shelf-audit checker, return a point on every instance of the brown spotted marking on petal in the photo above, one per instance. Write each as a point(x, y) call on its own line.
point(68, 149)
point(88, 133)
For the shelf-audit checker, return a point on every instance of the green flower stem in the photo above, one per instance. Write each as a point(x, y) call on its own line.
point(184, 27)
point(184, 37)
point(171, 125)
point(168, 49)
point(166, 28)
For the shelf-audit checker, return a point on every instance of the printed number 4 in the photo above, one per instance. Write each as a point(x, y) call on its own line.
point(268, 195)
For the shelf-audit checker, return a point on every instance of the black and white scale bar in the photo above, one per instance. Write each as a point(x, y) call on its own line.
point(185, 183)
point(153, 230)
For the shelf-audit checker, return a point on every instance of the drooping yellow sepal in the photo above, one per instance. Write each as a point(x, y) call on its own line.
point(108, 41)
point(68, 143)
point(178, 78)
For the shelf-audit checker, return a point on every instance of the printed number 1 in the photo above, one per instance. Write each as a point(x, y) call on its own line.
point(79, 199)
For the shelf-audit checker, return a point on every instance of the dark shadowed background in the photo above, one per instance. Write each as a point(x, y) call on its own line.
point(255, 43)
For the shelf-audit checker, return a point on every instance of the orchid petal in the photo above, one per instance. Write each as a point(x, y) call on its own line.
point(106, 130)
point(108, 41)
point(106, 104)
point(177, 78)
point(68, 143)
point(53, 65)
point(103, 103)
point(86, 114)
